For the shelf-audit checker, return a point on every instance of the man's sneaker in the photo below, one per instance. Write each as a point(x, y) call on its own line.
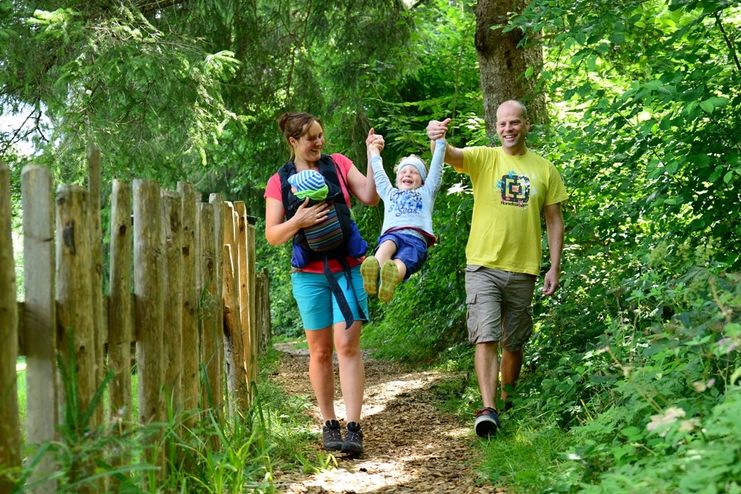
point(389, 280)
point(353, 444)
point(331, 436)
point(369, 271)
point(487, 422)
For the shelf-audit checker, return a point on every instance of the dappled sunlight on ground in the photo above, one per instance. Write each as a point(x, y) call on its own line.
point(379, 395)
point(411, 446)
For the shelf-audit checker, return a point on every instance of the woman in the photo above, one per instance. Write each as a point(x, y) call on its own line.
point(324, 322)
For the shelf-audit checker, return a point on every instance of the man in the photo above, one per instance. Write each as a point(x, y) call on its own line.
point(512, 188)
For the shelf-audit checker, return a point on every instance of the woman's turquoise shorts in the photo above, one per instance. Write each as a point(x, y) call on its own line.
point(316, 304)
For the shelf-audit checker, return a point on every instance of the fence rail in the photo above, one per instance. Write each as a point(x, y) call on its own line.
point(181, 288)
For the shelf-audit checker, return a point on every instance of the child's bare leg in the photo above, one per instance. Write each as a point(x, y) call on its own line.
point(401, 267)
point(385, 251)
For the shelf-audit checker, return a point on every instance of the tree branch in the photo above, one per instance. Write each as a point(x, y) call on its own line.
point(729, 41)
point(14, 138)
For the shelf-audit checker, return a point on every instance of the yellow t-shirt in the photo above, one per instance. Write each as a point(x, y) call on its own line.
point(509, 195)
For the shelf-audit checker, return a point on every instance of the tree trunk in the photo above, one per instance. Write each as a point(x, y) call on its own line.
point(502, 63)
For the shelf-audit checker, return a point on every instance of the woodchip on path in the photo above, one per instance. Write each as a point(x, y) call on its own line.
point(410, 445)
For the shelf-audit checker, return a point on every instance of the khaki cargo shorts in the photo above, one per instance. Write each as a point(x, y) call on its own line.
point(499, 305)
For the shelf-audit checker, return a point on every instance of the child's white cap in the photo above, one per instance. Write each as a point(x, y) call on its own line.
point(416, 162)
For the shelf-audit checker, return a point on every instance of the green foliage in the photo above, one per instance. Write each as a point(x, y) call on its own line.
point(651, 408)
point(645, 111)
point(148, 97)
point(84, 454)
point(646, 322)
point(649, 109)
point(199, 452)
point(441, 81)
point(524, 455)
point(241, 455)
point(283, 309)
point(323, 58)
point(426, 318)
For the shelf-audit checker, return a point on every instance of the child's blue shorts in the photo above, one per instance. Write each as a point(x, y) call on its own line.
point(410, 249)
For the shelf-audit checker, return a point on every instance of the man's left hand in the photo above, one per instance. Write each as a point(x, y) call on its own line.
point(550, 282)
point(374, 139)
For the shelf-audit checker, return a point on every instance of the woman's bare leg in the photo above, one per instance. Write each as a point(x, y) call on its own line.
point(321, 373)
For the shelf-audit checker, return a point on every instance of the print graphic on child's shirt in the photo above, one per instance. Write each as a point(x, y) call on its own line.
point(405, 202)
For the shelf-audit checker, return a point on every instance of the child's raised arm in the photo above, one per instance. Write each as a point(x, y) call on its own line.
point(434, 177)
point(374, 143)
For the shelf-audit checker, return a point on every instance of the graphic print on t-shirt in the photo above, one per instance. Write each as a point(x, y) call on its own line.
point(405, 202)
point(515, 189)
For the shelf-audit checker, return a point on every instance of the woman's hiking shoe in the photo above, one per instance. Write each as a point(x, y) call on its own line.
point(487, 422)
point(331, 436)
point(369, 271)
point(389, 280)
point(353, 444)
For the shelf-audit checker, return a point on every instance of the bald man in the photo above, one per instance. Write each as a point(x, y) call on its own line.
point(512, 188)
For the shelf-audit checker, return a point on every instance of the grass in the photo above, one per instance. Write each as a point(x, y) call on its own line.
point(524, 453)
point(239, 454)
point(298, 342)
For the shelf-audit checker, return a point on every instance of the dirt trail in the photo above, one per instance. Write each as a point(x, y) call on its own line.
point(410, 446)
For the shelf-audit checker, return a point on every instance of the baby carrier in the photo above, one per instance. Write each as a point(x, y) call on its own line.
point(337, 237)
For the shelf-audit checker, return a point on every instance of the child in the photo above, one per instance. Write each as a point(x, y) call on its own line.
point(407, 223)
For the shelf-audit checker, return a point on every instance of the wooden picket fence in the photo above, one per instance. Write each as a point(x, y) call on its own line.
point(181, 288)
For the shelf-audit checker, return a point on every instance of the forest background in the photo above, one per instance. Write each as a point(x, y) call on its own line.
point(633, 372)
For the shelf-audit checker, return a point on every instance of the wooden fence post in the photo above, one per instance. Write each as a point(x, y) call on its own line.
point(173, 348)
point(264, 309)
point(75, 317)
point(96, 245)
point(190, 340)
point(148, 279)
point(39, 315)
point(252, 291)
point(230, 320)
point(207, 308)
point(243, 287)
point(258, 295)
point(216, 200)
point(225, 245)
point(10, 436)
point(74, 291)
point(233, 340)
point(268, 325)
point(120, 315)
